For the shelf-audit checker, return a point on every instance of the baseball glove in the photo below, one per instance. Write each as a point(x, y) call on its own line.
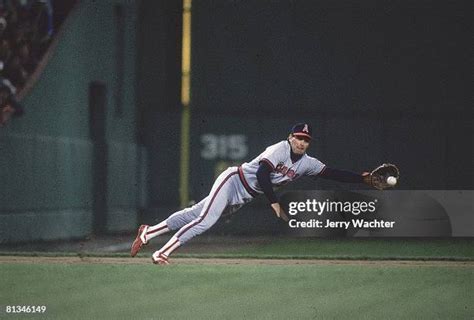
point(378, 177)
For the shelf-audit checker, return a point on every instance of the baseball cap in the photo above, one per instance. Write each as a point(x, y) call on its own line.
point(302, 130)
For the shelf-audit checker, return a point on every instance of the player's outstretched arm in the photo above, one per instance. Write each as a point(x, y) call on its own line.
point(341, 175)
point(383, 177)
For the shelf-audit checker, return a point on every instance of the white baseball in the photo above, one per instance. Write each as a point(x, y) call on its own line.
point(392, 181)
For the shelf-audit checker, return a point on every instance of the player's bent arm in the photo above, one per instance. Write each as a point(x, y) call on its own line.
point(279, 211)
point(263, 178)
point(341, 175)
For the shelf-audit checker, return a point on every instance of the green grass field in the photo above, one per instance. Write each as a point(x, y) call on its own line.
point(256, 291)
point(239, 292)
point(371, 249)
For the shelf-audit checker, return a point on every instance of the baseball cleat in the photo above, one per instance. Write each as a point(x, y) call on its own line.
point(161, 260)
point(139, 240)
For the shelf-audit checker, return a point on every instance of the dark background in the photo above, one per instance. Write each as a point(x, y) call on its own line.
point(381, 81)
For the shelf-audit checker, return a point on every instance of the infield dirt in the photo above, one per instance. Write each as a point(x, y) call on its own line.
point(232, 261)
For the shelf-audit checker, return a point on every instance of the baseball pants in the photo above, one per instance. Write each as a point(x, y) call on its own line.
point(227, 195)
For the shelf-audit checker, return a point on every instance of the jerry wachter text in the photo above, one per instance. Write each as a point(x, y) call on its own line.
point(330, 224)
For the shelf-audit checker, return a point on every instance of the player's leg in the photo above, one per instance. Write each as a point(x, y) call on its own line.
point(173, 222)
point(214, 205)
point(206, 220)
point(181, 218)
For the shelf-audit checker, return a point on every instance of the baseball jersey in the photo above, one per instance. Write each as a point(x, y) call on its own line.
point(278, 156)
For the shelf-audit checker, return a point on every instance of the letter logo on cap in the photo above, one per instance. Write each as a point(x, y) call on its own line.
point(305, 129)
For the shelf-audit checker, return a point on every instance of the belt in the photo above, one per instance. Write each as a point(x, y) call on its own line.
point(252, 192)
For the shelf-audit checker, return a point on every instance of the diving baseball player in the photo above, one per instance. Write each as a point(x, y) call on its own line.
point(279, 164)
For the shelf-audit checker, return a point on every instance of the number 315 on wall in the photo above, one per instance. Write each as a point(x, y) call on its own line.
point(217, 146)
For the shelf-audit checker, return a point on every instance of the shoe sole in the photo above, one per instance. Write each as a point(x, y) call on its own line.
point(140, 230)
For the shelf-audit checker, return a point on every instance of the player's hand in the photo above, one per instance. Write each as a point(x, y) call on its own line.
point(378, 177)
point(280, 213)
point(367, 178)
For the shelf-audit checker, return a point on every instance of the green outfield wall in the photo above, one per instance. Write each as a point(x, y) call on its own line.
point(47, 155)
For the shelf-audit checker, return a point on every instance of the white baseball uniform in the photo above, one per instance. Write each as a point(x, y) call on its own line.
point(232, 189)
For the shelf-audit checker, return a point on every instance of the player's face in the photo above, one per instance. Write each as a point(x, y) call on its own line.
point(299, 144)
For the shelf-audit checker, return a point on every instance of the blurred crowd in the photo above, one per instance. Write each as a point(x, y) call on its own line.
point(26, 29)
